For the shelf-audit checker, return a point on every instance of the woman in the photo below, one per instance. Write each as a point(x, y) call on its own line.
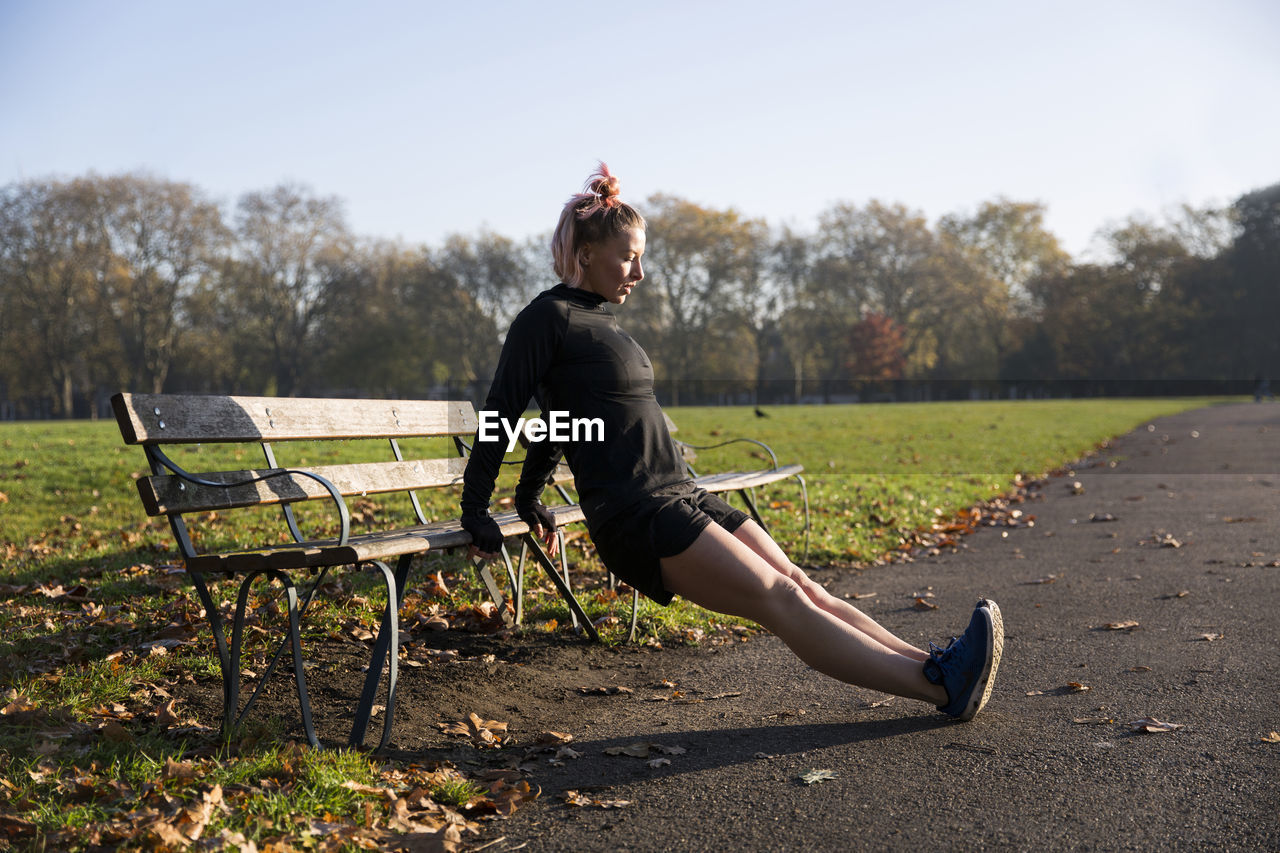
point(651, 525)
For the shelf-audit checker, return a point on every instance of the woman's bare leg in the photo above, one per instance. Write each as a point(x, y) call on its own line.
point(762, 543)
point(722, 573)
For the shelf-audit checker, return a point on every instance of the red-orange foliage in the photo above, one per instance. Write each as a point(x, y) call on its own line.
point(875, 349)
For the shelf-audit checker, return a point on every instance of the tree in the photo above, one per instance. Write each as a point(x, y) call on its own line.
point(884, 259)
point(1006, 246)
point(875, 349)
point(290, 250)
point(51, 254)
point(163, 237)
point(702, 271)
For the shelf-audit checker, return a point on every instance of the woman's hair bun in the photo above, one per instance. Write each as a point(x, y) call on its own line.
point(605, 185)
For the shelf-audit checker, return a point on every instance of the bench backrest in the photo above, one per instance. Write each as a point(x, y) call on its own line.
point(156, 420)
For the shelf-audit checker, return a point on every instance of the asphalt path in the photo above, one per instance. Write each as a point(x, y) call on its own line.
point(1174, 528)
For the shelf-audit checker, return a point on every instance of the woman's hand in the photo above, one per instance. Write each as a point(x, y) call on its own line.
point(486, 536)
point(541, 523)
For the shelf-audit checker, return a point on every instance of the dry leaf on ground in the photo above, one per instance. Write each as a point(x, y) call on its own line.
point(480, 731)
point(1154, 726)
point(573, 798)
point(642, 750)
point(813, 777)
point(553, 738)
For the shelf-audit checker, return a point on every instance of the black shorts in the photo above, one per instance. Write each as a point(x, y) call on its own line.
point(662, 525)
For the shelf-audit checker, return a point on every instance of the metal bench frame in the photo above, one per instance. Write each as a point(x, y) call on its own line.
point(154, 421)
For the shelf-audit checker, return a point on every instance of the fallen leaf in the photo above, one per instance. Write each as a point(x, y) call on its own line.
point(1128, 625)
point(116, 733)
point(1211, 637)
point(1151, 724)
point(15, 827)
point(813, 777)
point(659, 762)
point(361, 788)
point(168, 836)
point(642, 750)
point(1273, 737)
point(553, 738)
point(573, 798)
point(480, 731)
point(166, 715)
point(567, 752)
point(179, 770)
point(924, 604)
point(1077, 687)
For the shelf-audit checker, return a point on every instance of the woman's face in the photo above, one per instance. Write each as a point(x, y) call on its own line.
point(611, 267)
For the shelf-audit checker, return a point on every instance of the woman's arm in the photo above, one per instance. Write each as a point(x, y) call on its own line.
point(530, 346)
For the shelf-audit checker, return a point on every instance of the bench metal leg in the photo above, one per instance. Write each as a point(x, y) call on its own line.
point(564, 571)
point(566, 593)
point(751, 508)
point(635, 615)
point(755, 513)
point(495, 592)
point(514, 585)
point(230, 688)
point(388, 642)
point(302, 611)
point(804, 494)
point(232, 674)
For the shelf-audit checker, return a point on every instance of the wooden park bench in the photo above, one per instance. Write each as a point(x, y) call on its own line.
point(158, 422)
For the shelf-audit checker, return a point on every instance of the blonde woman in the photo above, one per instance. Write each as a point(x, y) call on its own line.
point(652, 526)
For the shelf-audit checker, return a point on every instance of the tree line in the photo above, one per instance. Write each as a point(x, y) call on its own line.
point(132, 282)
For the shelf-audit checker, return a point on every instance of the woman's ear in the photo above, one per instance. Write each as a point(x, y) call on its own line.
point(584, 256)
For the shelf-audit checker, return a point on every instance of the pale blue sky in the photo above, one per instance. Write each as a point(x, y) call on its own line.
point(434, 118)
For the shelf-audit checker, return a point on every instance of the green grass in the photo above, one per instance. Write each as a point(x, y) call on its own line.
point(70, 517)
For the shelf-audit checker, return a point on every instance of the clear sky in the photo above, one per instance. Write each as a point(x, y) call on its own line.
point(430, 118)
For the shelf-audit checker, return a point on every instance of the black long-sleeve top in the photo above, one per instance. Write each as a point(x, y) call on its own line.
point(566, 350)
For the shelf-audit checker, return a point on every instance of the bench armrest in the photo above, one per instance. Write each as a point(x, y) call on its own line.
point(344, 515)
point(773, 457)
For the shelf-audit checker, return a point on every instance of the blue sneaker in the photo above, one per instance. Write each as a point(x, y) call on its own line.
point(966, 668)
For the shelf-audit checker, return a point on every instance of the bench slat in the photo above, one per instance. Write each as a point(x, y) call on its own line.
point(173, 419)
point(170, 493)
point(382, 545)
point(734, 480)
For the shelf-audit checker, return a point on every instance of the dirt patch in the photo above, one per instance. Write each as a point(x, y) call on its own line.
point(534, 682)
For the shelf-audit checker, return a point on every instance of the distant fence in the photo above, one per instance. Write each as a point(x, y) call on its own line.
point(709, 392)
